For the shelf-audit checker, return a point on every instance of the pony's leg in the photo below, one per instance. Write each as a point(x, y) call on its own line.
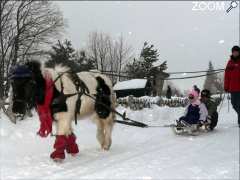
point(63, 130)
point(29, 113)
point(100, 130)
point(63, 123)
point(108, 127)
point(72, 147)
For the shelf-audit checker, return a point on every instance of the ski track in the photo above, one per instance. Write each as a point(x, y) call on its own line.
point(135, 153)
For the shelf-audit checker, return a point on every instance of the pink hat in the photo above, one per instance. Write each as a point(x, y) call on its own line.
point(193, 93)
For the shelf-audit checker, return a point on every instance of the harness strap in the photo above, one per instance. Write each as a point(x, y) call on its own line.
point(81, 89)
point(61, 86)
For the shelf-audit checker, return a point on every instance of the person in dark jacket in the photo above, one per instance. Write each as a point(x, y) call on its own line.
point(169, 92)
point(232, 80)
point(211, 106)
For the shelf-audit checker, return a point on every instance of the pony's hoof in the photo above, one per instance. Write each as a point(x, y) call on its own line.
point(105, 148)
point(74, 154)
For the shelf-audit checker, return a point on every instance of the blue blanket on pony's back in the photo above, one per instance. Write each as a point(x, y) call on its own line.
point(20, 71)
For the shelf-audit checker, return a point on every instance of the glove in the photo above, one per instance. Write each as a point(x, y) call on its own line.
point(202, 122)
point(45, 125)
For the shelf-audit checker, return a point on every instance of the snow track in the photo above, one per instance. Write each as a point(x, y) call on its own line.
point(135, 153)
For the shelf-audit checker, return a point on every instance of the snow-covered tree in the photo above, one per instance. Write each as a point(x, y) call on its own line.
point(63, 53)
point(142, 66)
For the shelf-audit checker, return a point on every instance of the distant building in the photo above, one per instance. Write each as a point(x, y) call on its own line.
point(135, 87)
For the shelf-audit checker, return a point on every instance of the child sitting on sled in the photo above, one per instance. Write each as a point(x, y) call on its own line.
point(195, 113)
point(211, 106)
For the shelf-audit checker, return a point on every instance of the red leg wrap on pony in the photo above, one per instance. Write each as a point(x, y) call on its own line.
point(59, 146)
point(72, 147)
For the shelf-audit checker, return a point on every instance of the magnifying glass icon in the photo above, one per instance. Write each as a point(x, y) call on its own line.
point(233, 4)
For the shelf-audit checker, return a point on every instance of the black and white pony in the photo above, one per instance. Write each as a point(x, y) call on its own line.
point(69, 98)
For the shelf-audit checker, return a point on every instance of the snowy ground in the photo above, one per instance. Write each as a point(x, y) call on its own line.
point(153, 153)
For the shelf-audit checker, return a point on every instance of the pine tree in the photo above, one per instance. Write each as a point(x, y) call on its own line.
point(135, 69)
point(141, 67)
point(63, 53)
point(84, 62)
point(149, 55)
point(210, 82)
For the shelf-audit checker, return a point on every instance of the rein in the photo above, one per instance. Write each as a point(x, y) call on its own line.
point(126, 120)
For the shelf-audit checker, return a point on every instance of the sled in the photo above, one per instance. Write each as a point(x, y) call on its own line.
point(184, 128)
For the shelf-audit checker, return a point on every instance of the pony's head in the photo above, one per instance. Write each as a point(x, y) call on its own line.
point(25, 86)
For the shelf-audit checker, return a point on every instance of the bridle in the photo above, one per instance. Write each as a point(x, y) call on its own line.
point(27, 102)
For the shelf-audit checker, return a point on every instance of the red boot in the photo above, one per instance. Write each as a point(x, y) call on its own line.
point(72, 147)
point(60, 146)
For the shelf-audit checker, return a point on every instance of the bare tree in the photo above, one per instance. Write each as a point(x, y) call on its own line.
point(112, 59)
point(92, 50)
point(109, 54)
point(6, 38)
point(25, 28)
point(123, 51)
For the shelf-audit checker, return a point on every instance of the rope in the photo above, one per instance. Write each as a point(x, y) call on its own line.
point(193, 72)
point(191, 77)
point(177, 78)
point(123, 116)
point(178, 72)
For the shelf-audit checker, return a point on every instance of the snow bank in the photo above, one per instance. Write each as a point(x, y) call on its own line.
point(136, 153)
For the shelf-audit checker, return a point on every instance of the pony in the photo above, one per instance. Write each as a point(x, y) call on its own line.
point(61, 95)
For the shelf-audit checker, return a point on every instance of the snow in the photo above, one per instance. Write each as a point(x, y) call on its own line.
point(221, 41)
point(130, 84)
point(157, 63)
point(136, 153)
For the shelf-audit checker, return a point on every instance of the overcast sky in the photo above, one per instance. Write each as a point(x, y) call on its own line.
point(187, 39)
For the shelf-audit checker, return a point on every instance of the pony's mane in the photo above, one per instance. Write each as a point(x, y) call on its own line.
point(56, 70)
point(61, 68)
